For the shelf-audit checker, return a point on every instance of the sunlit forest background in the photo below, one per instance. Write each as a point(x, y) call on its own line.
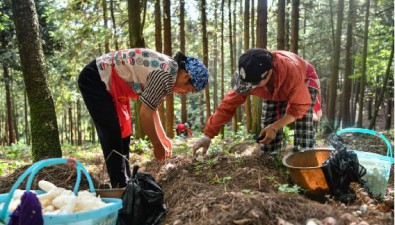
point(350, 43)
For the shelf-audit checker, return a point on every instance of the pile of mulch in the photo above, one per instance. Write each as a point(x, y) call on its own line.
point(224, 189)
point(240, 189)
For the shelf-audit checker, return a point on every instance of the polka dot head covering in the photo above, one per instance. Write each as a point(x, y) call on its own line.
point(198, 72)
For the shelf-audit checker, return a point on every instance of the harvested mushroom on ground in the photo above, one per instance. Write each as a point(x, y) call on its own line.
point(59, 200)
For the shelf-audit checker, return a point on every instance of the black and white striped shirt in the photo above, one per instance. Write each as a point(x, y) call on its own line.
point(150, 74)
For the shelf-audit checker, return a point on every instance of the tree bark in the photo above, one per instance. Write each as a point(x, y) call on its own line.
point(281, 25)
point(385, 85)
point(335, 70)
point(136, 40)
point(45, 133)
point(295, 27)
point(364, 59)
point(159, 48)
point(261, 42)
point(184, 113)
point(205, 55)
point(347, 85)
point(246, 47)
point(169, 126)
point(10, 130)
point(222, 57)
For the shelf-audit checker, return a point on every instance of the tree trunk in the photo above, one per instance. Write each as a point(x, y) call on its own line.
point(281, 25)
point(385, 85)
point(105, 21)
point(205, 55)
point(335, 70)
point(79, 123)
point(114, 27)
point(287, 28)
point(364, 59)
point(26, 116)
point(253, 42)
point(231, 55)
point(184, 113)
point(261, 42)
point(14, 116)
point(388, 117)
point(295, 27)
point(347, 84)
point(45, 134)
point(215, 63)
point(135, 27)
point(169, 127)
point(71, 122)
point(136, 40)
point(222, 57)
point(159, 48)
point(246, 47)
point(10, 130)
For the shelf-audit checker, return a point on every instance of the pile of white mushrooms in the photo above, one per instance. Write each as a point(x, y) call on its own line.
point(58, 201)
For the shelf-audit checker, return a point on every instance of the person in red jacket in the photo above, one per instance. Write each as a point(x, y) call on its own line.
point(288, 86)
point(109, 82)
point(183, 130)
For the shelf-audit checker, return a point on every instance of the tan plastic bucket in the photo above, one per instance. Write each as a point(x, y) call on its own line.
point(305, 169)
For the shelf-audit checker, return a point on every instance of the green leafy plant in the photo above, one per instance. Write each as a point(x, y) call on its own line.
point(222, 180)
point(286, 188)
point(140, 146)
point(248, 192)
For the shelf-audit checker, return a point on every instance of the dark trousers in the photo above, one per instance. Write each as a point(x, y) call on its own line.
point(102, 110)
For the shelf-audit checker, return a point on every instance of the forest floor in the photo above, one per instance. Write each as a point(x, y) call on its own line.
point(233, 187)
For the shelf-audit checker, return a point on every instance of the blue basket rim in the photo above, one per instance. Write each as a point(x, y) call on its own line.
point(372, 132)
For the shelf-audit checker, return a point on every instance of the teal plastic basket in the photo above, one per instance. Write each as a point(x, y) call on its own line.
point(378, 167)
point(104, 216)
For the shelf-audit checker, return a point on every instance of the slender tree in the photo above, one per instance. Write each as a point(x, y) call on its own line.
point(231, 51)
point(364, 59)
point(105, 23)
point(114, 26)
point(159, 48)
point(335, 70)
point(136, 40)
point(246, 47)
point(205, 54)
point(281, 25)
point(253, 43)
point(385, 82)
point(222, 57)
point(184, 115)
point(295, 27)
point(167, 50)
point(347, 84)
point(44, 127)
point(215, 63)
point(261, 42)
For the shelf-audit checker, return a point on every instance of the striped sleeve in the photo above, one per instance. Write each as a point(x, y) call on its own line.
point(159, 85)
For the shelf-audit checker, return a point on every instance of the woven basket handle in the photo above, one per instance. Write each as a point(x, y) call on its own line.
point(33, 170)
point(372, 132)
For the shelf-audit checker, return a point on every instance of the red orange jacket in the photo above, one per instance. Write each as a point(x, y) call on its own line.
point(291, 79)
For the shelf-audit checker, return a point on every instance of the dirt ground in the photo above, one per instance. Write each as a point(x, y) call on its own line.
point(239, 189)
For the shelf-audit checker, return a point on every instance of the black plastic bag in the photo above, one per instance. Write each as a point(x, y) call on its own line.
point(142, 201)
point(340, 169)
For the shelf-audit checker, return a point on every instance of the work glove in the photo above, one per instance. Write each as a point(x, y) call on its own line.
point(204, 142)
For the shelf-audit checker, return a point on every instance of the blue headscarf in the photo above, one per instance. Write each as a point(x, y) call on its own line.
point(198, 72)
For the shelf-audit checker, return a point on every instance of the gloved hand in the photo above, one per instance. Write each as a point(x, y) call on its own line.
point(204, 142)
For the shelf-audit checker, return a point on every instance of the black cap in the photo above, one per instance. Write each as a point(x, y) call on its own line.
point(253, 63)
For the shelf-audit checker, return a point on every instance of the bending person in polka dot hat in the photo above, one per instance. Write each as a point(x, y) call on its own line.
point(109, 82)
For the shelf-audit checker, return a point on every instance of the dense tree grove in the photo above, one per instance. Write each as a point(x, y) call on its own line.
point(350, 43)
